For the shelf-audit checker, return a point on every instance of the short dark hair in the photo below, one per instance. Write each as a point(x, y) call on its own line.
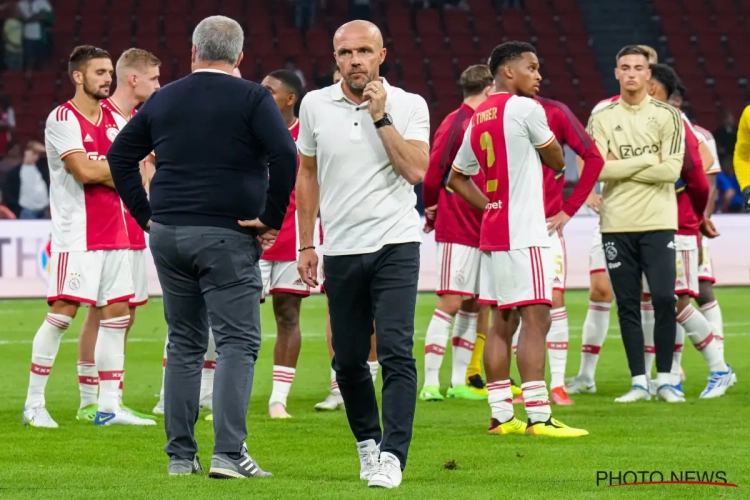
point(666, 76)
point(290, 80)
point(82, 54)
point(680, 91)
point(475, 79)
point(506, 52)
point(632, 50)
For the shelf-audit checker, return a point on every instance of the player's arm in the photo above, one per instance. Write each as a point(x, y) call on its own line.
point(409, 155)
point(129, 148)
point(64, 133)
point(307, 189)
point(696, 181)
point(712, 196)
point(543, 139)
point(87, 171)
point(707, 159)
point(576, 137)
point(615, 169)
point(438, 166)
point(464, 167)
point(672, 153)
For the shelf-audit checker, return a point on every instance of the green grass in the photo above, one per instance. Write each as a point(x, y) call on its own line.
point(313, 455)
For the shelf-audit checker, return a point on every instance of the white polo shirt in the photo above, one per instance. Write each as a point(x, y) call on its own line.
point(364, 202)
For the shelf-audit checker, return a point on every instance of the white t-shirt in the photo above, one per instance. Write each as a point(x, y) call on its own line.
point(33, 194)
point(501, 140)
point(364, 202)
point(28, 8)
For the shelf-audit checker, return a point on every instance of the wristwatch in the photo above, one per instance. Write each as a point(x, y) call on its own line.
point(384, 122)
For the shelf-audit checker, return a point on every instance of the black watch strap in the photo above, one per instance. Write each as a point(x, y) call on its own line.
point(383, 122)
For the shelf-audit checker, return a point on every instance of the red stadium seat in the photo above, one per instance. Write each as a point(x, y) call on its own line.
point(428, 21)
point(456, 22)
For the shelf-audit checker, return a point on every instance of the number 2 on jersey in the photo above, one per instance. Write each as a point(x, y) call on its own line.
point(485, 142)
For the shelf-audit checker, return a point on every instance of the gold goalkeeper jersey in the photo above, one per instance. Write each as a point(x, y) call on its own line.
point(742, 150)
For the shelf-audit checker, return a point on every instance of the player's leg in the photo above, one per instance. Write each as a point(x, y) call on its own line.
point(647, 322)
point(474, 370)
point(88, 376)
point(596, 324)
point(207, 374)
point(333, 401)
point(159, 408)
point(372, 360)
point(451, 282)
point(706, 299)
point(497, 360)
point(286, 309)
point(559, 335)
point(464, 337)
point(115, 290)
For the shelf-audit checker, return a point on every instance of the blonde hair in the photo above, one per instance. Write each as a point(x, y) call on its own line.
point(137, 59)
point(653, 57)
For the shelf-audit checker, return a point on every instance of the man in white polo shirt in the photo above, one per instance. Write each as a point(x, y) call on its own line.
point(363, 145)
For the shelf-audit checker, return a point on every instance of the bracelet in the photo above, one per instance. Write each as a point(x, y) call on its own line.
point(306, 248)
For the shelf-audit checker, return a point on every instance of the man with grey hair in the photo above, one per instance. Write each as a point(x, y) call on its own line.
point(225, 168)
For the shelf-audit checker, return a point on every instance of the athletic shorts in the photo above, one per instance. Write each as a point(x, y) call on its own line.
point(140, 277)
point(559, 261)
point(597, 262)
point(458, 270)
point(486, 283)
point(282, 277)
point(97, 277)
point(705, 267)
point(686, 261)
point(522, 277)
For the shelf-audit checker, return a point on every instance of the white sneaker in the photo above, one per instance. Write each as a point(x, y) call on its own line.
point(159, 408)
point(718, 383)
point(121, 417)
point(670, 394)
point(369, 455)
point(332, 402)
point(577, 385)
point(207, 402)
point(636, 393)
point(38, 417)
point(388, 473)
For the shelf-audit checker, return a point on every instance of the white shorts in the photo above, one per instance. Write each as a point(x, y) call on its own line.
point(686, 259)
point(597, 262)
point(486, 283)
point(282, 277)
point(705, 267)
point(97, 278)
point(559, 261)
point(522, 277)
point(458, 270)
point(140, 277)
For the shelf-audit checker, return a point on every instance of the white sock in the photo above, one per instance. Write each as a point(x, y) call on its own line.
point(594, 333)
point(110, 361)
point(163, 371)
point(283, 376)
point(374, 366)
point(640, 380)
point(334, 384)
point(122, 384)
point(207, 376)
point(501, 400)
point(464, 336)
point(712, 312)
point(88, 383)
point(698, 330)
point(43, 353)
point(536, 401)
point(434, 349)
point(647, 320)
point(557, 347)
point(514, 340)
point(679, 344)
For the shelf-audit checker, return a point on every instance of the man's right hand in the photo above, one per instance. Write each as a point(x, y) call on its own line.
point(307, 267)
point(594, 201)
point(266, 235)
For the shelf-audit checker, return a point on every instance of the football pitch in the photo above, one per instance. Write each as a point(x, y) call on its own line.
point(313, 454)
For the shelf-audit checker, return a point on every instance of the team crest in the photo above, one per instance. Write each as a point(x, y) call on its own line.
point(610, 251)
point(74, 283)
point(112, 133)
point(652, 124)
point(460, 279)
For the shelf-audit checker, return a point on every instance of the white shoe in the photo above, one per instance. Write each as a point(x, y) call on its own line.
point(332, 402)
point(369, 455)
point(278, 410)
point(38, 417)
point(670, 394)
point(207, 402)
point(121, 417)
point(159, 408)
point(636, 393)
point(388, 473)
point(718, 383)
point(577, 385)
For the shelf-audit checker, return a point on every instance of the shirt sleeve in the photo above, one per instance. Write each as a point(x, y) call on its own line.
point(306, 143)
point(466, 161)
point(436, 170)
point(537, 127)
point(63, 132)
point(418, 128)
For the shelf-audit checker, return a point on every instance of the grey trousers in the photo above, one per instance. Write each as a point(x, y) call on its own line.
point(208, 273)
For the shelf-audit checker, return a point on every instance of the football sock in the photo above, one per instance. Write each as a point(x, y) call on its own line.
point(679, 344)
point(374, 366)
point(163, 369)
point(712, 312)
point(649, 350)
point(207, 375)
point(88, 382)
point(501, 400)
point(43, 352)
point(594, 334)
point(557, 346)
point(536, 401)
point(283, 376)
point(475, 365)
point(464, 336)
point(334, 384)
point(698, 330)
point(434, 349)
point(110, 361)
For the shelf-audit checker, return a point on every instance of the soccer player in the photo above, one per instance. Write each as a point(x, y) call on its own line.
point(456, 225)
point(742, 156)
point(137, 73)
point(643, 139)
point(90, 245)
point(278, 264)
point(506, 137)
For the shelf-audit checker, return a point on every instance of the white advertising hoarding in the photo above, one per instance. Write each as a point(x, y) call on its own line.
point(24, 257)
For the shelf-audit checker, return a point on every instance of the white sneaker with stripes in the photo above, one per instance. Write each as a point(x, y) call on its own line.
point(225, 467)
point(369, 458)
point(388, 473)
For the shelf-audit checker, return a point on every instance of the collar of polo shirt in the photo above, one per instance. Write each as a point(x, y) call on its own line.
point(337, 91)
point(635, 107)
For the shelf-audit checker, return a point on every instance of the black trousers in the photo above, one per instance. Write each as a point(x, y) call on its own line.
point(629, 256)
point(379, 287)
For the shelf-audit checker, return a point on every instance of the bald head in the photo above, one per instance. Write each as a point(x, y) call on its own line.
point(358, 49)
point(358, 30)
